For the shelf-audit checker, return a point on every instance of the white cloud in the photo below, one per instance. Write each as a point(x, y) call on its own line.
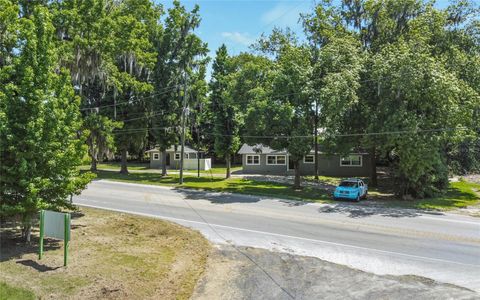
point(238, 37)
point(283, 15)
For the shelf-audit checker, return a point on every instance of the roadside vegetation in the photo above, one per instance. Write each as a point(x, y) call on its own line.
point(112, 255)
point(218, 169)
point(459, 194)
point(399, 79)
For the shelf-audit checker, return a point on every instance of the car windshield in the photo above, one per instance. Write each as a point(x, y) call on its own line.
point(348, 184)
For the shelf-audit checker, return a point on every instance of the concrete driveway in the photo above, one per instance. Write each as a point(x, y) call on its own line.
point(443, 247)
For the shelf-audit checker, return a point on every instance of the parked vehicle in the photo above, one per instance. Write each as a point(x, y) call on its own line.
point(351, 189)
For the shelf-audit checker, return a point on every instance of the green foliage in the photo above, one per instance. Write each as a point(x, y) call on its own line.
point(419, 74)
point(40, 144)
point(225, 112)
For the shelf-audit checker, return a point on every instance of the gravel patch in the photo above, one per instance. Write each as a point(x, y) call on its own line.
point(231, 275)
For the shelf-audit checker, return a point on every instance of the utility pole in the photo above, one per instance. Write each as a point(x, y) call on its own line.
point(316, 139)
point(184, 109)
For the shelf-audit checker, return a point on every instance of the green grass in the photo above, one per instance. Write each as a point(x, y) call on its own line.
point(459, 194)
point(219, 169)
point(235, 185)
point(116, 166)
point(8, 292)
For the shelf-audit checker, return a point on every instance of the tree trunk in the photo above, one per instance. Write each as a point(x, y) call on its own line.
point(93, 166)
point(373, 162)
point(164, 163)
point(27, 228)
point(227, 161)
point(316, 139)
point(297, 182)
point(123, 168)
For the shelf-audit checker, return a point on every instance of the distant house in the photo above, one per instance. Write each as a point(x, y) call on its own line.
point(260, 159)
point(173, 155)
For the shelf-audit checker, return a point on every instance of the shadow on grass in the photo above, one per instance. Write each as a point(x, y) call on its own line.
point(13, 246)
point(36, 266)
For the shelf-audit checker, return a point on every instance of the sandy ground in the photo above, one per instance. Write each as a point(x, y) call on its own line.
point(260, 274)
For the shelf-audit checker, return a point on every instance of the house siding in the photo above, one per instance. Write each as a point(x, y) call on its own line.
point(328, 165)
point(263, 168)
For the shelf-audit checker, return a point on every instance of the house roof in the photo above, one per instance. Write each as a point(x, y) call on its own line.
point(172, 149)
point(262, 149)
point(259, 149)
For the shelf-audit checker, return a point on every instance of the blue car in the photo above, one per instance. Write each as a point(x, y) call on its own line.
point(351, 189)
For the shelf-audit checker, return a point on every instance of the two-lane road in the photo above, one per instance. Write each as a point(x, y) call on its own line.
point(379, 240)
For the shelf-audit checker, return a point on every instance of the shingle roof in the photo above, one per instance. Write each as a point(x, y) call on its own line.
point(259, 148)
point(262, 149)
point(172, 149)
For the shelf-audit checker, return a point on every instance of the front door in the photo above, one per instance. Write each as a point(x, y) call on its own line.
point(291, 165)
point(167, 161)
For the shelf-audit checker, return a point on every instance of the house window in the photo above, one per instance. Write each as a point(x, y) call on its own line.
point(177, 156)
point(309, 159)
point(276, 159)
point(156, 156)
point(253, 159)
point(351, 161)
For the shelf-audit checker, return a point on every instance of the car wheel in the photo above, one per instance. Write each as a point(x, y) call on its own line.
point(358, 198)
point(365, 195)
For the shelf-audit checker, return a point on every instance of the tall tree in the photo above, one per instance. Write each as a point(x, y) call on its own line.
point(40, 147)
point(283, 117)
point(225, 116)
point(179, 50)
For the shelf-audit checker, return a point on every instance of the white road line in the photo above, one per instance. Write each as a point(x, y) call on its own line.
point(280, 235)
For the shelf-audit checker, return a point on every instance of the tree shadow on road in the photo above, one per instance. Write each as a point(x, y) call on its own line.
point(362, 210)
point(218, 197)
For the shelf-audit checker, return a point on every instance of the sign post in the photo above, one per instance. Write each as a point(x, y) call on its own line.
point(56, 225)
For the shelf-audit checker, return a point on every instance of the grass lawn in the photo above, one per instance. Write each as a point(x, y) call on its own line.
point(116, 166)
point(135, 166)
point(236, 185)
point(112, 255)
point(219, 169)
point(8, 292)
point(460, 194)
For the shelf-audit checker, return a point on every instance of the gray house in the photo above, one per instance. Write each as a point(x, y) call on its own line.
point(260, 159)
point(173, 155)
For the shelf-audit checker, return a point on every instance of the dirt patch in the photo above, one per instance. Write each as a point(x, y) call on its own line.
point(112, 256)
point(231, 275)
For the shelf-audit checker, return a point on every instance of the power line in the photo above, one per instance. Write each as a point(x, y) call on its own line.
point(308, 136)
point(166, 91)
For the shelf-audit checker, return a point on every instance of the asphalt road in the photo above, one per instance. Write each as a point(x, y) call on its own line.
point(442, 247)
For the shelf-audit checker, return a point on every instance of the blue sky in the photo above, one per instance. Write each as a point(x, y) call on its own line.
point(238, 23)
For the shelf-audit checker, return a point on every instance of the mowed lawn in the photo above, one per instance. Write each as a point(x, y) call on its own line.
point(459, 195)
point(217, 169)
point(112, 255)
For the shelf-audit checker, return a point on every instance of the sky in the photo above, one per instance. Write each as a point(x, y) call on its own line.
point(238, 23)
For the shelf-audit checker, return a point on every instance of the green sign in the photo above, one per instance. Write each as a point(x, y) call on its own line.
point(55, 225)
